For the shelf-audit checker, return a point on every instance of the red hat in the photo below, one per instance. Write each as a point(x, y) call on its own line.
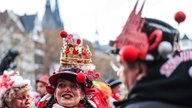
point(43, 79)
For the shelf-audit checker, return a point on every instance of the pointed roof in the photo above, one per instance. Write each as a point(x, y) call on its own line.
point(185, 37)
point(48, 4)
point(28, 21)
point(57, 16)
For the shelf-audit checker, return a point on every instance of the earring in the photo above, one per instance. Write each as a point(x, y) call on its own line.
point(83, 102)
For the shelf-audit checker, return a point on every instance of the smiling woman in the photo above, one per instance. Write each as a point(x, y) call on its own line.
point(68, 91)
point(73, 92)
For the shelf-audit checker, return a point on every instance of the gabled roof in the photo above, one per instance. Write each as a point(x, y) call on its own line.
point(28, 22)
point(185, 37)
point(8, 19)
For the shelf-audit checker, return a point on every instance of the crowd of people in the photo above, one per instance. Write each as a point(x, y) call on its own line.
point(152, 68)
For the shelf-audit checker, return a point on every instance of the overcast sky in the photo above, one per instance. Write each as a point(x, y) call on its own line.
point(108, 16)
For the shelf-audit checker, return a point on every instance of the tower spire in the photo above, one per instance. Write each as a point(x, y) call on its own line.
point(48, 19)
point(51, 19)
point(57, 15)
point(48, 4)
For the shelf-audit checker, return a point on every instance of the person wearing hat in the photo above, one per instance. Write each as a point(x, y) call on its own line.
point(106, 89)
point(68, 92)
point(115, 87)
point(156, 73)
point(71, 86)
point(41, 84)
point(15, 92)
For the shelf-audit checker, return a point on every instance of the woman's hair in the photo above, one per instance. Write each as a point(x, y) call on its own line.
point(11, 94)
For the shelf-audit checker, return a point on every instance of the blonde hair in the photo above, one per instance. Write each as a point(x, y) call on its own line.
point(11, 94)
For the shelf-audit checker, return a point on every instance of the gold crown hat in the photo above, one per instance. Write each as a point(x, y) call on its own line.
point(73, 53)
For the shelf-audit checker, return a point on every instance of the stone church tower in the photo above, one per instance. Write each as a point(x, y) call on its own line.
point(51, 19)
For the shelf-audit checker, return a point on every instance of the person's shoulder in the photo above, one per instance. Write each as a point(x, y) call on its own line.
point(41, 104)
point(92, 103)
point(43, 101)
point(97, 96)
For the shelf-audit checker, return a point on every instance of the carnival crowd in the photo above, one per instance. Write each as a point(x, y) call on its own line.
point(153, 72)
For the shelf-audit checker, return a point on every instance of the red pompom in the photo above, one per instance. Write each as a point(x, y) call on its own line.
point(129, 54)
point(80, 77)
point(63, 34)
point(180, 16)
point(97, 74)
point(78, 41)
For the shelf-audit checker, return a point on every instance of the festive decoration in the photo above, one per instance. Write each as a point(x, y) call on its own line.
point(92, 75)
point(75, 60)
point(75, 55)
point(81, 77)
point(179, 17)
point(165, 48)
point(11, 79)
point(73, 52)
point(132, 35)
point(145, 39)
point(129, 54)
point(63, 34)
